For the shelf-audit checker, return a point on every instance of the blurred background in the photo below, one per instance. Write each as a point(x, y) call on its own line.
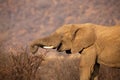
point(22, 21)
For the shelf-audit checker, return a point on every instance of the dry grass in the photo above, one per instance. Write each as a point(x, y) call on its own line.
point(19, 67)
point(60, 68)
point(38, 67)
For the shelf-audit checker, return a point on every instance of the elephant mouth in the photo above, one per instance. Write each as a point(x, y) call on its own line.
point(59, 47)
point(81, 51)
point(68, 51)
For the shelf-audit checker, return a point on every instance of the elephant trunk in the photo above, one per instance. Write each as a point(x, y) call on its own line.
point(52, 40)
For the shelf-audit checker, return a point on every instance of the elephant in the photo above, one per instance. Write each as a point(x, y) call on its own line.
point(97, 44)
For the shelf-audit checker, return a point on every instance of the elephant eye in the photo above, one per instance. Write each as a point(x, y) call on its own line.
point(62, 41)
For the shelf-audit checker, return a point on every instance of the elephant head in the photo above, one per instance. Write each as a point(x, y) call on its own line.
point(73, 38)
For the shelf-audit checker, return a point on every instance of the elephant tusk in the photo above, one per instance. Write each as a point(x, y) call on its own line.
point(48, 47)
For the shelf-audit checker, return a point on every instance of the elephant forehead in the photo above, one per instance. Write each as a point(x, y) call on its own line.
point(64, 29)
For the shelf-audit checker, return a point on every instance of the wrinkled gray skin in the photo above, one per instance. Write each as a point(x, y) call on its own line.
point(96, 44)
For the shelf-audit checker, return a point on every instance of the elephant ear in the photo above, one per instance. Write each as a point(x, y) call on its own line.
point(82, 37)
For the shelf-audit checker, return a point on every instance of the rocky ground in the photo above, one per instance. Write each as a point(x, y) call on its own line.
point(25, 20)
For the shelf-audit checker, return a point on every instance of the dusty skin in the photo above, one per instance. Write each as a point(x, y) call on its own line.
point(96, 44)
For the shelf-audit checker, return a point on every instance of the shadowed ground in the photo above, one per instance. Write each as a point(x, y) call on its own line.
point(25, 20)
